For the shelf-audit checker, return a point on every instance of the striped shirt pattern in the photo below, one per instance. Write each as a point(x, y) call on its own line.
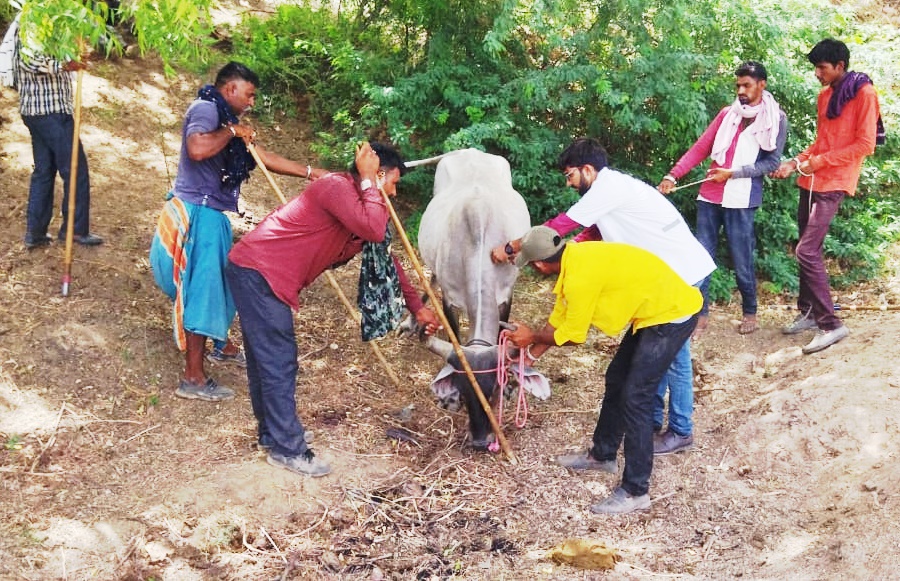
point(44, 87)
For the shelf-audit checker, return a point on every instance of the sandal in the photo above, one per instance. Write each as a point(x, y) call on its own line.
point(748, 325)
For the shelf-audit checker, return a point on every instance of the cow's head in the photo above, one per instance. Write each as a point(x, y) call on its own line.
point(452, 383)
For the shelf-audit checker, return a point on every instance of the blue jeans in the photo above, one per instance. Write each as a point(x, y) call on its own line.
point(741, 236)
point(270, 345)
point(627, 409)
point(679, 380)
point(51, 145)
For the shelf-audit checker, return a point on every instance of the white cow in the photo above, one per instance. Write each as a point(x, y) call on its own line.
point(474, 208)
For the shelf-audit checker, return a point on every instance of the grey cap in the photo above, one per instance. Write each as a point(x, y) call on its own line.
point(539, 243)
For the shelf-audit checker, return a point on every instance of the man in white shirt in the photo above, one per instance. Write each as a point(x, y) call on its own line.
point(616, 207)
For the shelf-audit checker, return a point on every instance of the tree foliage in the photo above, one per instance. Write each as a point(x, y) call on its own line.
point(177, 30)
point(64, 29)
point(522, 78)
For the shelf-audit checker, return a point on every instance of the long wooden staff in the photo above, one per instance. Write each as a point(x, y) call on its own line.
point(331, 280)
point(501, 439)
point(73, 181)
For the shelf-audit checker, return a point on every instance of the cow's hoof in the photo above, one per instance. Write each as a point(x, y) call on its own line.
point(483, 445)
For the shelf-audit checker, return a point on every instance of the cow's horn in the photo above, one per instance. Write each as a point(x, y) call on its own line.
point(439, 346)
point(427, 161)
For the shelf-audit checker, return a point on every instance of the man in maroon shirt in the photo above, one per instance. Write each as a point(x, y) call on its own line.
point(325, 226)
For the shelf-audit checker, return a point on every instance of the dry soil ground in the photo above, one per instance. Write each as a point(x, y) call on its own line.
point(106, 475)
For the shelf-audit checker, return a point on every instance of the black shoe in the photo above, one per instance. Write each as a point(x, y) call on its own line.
point(84, 239)
point(36, 241)
point(670, 443)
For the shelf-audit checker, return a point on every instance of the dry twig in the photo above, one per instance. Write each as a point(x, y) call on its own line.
point(50, 441)
point(141, 433)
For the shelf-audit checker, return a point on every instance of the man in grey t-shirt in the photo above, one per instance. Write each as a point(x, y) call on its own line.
point(190, 249)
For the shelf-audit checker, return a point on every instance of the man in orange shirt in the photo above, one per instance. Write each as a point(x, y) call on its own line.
point(847, 128)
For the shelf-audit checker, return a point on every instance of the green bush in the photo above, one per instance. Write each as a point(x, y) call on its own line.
point(522, 79)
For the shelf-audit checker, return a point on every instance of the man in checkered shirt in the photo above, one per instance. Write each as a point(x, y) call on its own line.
point(45, 103)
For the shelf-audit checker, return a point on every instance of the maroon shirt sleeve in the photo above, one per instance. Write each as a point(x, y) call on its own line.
point(591, 234)
point(366, 220)
point(410, 294)
point(563, 225)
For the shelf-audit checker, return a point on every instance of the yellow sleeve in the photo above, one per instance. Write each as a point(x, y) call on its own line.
point(574, 311)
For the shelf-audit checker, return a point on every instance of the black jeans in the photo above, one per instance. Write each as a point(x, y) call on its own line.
point(632, 378)
point(270, 344)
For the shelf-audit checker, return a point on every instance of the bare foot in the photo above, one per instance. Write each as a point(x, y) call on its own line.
point(230, 348)
point(748, 325)
point(702, 322)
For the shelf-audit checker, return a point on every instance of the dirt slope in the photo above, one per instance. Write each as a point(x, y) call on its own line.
point(106, 475)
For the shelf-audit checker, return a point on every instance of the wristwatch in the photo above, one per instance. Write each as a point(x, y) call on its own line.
point(365, 184)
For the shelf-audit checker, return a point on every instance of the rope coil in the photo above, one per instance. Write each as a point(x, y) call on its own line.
point(503, 361)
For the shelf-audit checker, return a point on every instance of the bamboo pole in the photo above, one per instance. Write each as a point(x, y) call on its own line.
point(73, 182)
point(331, 280)
point(501, 439)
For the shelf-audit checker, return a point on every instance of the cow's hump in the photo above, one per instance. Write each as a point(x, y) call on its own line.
point(467, 166)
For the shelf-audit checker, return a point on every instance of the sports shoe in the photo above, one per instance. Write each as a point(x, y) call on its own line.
point(825, 339)
point(209, 391)
point(620, 502)
point(585, 461)
point(670, 443)
point(305, 463)
point(219, 356)
point(802, 322)
point(36, 241)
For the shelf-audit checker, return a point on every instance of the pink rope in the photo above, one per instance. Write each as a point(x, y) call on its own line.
point(503, 360)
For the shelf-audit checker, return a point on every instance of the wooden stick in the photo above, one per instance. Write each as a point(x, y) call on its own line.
point(501, 439)
point(357, 318)
point(50, 441)
point(330, 277)
point(73, 181)
point(141, 433)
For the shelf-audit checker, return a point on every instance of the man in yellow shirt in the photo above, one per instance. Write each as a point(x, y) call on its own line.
point(614, 287)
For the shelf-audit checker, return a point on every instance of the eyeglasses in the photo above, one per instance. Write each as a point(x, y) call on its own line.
point(568, 175)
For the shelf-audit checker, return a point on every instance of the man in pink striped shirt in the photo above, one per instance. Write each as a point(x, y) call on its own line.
point(745, 142)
